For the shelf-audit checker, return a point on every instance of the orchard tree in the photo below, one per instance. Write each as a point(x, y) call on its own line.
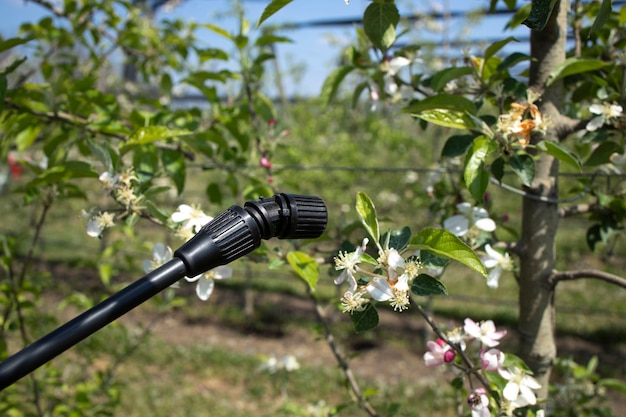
point(564, 112)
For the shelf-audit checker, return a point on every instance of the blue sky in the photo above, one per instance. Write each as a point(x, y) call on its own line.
point(315, 49)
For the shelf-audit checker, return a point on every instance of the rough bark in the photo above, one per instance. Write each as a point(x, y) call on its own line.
point(540, 213)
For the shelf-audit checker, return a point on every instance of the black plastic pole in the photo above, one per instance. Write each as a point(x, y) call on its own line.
point(231, 235)
point(92, 320)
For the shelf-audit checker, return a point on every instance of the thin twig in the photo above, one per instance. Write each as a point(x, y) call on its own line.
point(343, 363)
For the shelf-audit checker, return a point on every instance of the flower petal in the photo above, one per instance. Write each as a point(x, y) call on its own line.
point(486, 224)
point(379, 289)
point(204, 289)
point(457, 224)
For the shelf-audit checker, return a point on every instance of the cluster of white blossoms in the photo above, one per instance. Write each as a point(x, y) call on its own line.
point(468, 224)
point(188, 221)
point(390, 281)
point(121, 186)
point(520, 387)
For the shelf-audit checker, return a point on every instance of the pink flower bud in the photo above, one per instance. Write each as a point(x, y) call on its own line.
point(449, 356)
point(265, 162)
point(271, 122)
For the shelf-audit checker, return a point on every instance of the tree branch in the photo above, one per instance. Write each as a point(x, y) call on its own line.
point(558, 276)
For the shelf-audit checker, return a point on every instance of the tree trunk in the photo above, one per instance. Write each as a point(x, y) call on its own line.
point(540, 211)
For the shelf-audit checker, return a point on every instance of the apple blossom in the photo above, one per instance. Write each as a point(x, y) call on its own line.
point(96, 223)
point(206, 282)
point(479, 403)
point(191, 218)
point(348, 264)
point(491, 360)
point(485, 332)
point(605, 112)
point(160, 255)
point(519, 387)
point(495, 262)
point(437, 353)
point(469, 217)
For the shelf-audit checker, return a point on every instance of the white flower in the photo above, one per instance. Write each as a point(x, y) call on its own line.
point(98, 222)
point(290, 363)
point(519, 388)
point(392, 68)
point(108, 180)
point(191, 218)
point(348, 263)
point(160, 255)
point(469, 217)
point(605, 112)
point(485, 332)
point(206, 282)
point(495, 262)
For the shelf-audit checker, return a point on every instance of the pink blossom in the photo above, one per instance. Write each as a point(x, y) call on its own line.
point(479, 403)
point(491, 360)
point(485, 332)
point(438, 353)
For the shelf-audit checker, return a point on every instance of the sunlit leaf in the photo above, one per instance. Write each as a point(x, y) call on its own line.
point(305, 267)
point(270, 9)
point(561, 153)
point(475, 175)
point(443, 77)
point(523, 166)
point(442, 242)
point(367, 212)
point(574, 65)
point(7, 44)
point(145, 135)
point(332, 82)
point(379, 23)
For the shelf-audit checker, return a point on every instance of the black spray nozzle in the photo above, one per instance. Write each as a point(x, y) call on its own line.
point(238, 231)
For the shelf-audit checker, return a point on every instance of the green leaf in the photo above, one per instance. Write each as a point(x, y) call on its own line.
point(613, 384)
point(524, 167)
point(64, 172)
point(496, 46)
point(397, 239)
point(379, 23)
point(442, 242)
point(446, 118)
point(305, 267)
point(332, 82)
point(572, 66)
point(475, 175)
point(441, 101)
point(175, 167)
point(270, 9)
point(539, 14)
point(602, 154)
point(366, 319)
point(367, 212)
point(443, 77)
point(561, 153)
point(603, 16)
point(497, 168)
point(456, 146)
point(426, 285)
point(13, 42)
point(145, 135)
